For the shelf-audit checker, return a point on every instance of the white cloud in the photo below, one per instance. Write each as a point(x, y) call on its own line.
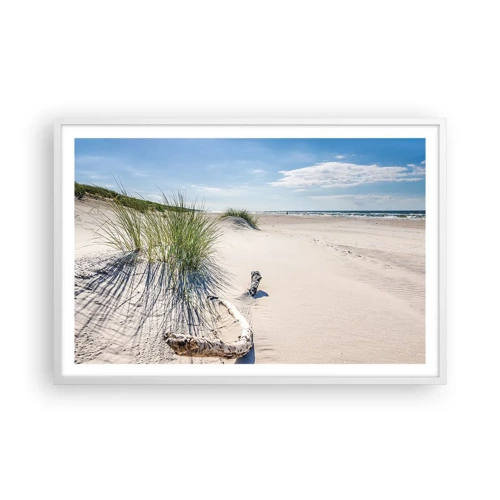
point(209, 189)
point(95, 177)
point(110, 165)
point(419, 171)
point(340, 157)
point(299, 190)
point(340, 175)
point(411, 165)
point(422, 162)
point(217, 190)
point(257, 171)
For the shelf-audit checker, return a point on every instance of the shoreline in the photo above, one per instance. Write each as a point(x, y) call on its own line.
point(333, 214)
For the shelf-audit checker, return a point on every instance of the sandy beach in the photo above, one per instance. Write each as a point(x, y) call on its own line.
point(333, 290)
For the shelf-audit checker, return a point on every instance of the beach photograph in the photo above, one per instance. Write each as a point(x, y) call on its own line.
point(250, 251)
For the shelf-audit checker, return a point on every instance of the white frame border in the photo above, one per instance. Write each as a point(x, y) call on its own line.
point(229, 379)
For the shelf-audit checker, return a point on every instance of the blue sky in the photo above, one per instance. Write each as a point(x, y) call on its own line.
point(263, 174)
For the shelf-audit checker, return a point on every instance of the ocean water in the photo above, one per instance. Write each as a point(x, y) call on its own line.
point(388, 214)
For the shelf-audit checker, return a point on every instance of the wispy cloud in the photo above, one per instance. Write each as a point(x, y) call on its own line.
point(109, 165)
point(219, 191)
point(94, 176)
point(341, 175)
point(258, 171)
point(207, 188)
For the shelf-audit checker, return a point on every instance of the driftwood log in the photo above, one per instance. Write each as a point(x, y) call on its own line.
point(188, 345)
point(256, 277)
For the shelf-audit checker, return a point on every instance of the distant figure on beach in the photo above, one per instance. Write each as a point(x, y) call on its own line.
point(287, 213)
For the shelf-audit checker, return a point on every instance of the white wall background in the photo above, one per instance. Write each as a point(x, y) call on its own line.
point(260, 58)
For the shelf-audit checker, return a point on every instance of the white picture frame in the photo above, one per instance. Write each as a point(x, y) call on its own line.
point(65, 370)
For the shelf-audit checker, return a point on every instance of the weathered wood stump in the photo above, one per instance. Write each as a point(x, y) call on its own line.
point(187, 345)
point(256, 277)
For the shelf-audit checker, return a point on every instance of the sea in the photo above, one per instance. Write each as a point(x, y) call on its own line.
point(387, 214)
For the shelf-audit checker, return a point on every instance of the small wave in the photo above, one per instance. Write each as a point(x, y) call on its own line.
point(410, 215)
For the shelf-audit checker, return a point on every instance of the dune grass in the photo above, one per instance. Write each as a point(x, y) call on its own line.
point(122, 197)
point(242, 214)
point(179, 247)
point(185, 241)
point(186, 236)
point(123, 229)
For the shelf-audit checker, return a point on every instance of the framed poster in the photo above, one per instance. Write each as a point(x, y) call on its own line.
point(250, 251)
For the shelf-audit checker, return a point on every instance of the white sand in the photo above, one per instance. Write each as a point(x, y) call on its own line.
point(334, 290)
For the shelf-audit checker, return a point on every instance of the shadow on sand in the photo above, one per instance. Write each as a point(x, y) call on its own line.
point(147, 297)
point(121, 284)
point(247, 359)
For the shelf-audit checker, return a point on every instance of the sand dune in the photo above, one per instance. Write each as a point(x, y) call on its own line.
point(334, 290)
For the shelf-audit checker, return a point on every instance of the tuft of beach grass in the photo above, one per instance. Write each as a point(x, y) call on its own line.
point(179, 247)
point(242, 214)
point(124, 229)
